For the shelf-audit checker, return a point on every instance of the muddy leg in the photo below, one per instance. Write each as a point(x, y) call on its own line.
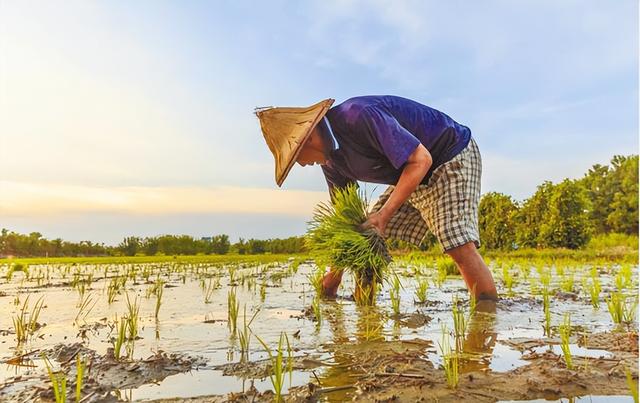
point(475, 272)
point(330, 283)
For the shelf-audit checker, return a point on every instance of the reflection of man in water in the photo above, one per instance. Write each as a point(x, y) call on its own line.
point(480, 339)
point(430, 161)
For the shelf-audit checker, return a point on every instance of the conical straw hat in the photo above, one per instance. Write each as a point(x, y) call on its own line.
point(285, 130)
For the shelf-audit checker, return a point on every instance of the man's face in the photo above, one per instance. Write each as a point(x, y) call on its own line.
point(313, 150)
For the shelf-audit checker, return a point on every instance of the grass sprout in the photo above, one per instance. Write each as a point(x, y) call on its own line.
point(121, 327)
point(58, 381)
point(565, 334)
point(81, 365)
point(315, 279)
point(244, 335)
point(547, 311)
point(621, 308)
point(85, 307)
point(631, 384)
point(233, 308)
point(422, 288)
point(450, 360)
point(26, 324)
point(278, 366)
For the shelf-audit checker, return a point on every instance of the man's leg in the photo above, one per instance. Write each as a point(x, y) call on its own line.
point(475, 272)
point(330, 283)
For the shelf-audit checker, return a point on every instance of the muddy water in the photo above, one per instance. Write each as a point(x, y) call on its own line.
point(327, 354)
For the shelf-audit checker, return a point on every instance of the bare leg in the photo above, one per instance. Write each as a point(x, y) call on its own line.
point(330, 283)
point(474, 271)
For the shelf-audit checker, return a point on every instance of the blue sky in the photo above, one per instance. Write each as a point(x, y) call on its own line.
point(126, 118)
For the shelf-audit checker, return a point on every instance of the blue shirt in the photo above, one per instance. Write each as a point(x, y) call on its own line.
point(373, 137)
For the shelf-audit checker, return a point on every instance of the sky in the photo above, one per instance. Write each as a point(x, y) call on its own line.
point(122, 118)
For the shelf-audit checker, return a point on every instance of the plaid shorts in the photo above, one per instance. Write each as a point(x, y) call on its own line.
point(447, 205)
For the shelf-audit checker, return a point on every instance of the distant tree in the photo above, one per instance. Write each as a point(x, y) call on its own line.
point(150, 246)
point(623, 217)
point(530, 216)
point(613, 192)
point(566, 219)
point(496, 215)
point(129, 246)
point(220, 244)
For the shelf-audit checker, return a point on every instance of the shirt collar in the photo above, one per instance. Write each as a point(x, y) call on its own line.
point(336, 145)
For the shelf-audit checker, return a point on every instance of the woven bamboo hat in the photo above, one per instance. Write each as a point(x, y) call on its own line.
point(285, 130)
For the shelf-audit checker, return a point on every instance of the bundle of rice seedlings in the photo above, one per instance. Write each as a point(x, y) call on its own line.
point(335, 237)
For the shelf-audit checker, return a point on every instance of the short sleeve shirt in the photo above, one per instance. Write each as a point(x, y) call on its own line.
point(375, 136)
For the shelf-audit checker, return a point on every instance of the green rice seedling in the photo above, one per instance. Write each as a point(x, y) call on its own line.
point(208, 292)
point(371, 333)
point(121, 327)
point(443, 268)
point(17, 267)
point(631, 384)
point(547, 311)
point(594, 292)
point(315, 278)
point(630, 309)
point(525, 270)
point(422, 288)
point(278, 366)
point(459, 320)
point(263, 290)
point(473, 301)
point(545, 277)
point(85, 308)
point(159, 290)
point(616, 305)
point(507, 280)
point(565, 334)
point(26, 324)
point(317, 312)
point(232, 275)
point(133, 314)
point(450, 361)
point(80, 367)
point(112, 290)
point(533, 286)
point(335, 236)
point(58, 381)
point(394, 294)
point(567, 282)
point(233, 307)
point(244, 335)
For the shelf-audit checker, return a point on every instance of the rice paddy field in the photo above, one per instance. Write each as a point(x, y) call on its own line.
point(253, 328)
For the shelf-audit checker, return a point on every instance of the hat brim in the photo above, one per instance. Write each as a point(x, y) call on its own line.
point(280, 180)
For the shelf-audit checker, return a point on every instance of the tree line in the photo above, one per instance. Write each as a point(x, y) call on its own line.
point(34, 245)
point(566, 214)
point(562, 215)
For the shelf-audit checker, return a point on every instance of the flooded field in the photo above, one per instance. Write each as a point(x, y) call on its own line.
point(250, 331)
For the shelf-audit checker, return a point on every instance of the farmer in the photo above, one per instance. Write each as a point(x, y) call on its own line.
point(431, 163)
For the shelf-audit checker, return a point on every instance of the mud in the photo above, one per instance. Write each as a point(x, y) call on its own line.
point(103, 375)
point(398, 371)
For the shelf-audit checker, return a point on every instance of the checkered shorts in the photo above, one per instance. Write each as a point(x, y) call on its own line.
point(447, 205)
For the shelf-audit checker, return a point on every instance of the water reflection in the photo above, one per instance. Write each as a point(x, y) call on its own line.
point(480, 341)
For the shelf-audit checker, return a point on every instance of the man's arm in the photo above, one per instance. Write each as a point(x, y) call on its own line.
point(414, 171)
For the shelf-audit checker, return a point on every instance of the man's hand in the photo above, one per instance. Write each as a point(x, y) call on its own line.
point(414, 171)
point(378, 221)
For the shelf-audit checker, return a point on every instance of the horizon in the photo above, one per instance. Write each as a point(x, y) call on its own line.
point(137, 119)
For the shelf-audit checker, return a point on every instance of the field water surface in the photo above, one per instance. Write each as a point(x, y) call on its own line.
point(337, 351)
